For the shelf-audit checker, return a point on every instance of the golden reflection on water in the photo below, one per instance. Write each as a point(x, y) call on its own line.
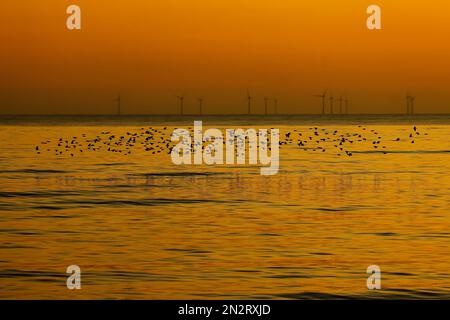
point(138, 228)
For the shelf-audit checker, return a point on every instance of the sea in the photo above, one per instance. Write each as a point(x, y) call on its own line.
point(352, 192)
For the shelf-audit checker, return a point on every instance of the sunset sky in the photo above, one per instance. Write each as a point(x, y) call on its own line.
point(152, 50)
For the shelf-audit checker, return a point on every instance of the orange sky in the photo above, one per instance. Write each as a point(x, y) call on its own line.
point(152, 50)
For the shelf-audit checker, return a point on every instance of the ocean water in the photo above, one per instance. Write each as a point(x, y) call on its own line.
point(141, 227)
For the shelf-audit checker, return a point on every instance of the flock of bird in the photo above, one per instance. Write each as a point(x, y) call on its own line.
point(157, 140)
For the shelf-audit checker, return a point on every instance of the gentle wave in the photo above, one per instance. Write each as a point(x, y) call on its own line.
point(385, 294)
point(94, 203)
point(402, 151)
point(37, 194)
point(34, 171)
point(175, 174)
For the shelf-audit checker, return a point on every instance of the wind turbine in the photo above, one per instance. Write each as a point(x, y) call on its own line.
point(409, 104)
point(331, 103)
point(118, 100)
point(340, 105)
point(412, 99)
point(200, 105)
point(249, 102)
point(181, 98)
point(266, 100)
point(275, 104)
point(323, 97)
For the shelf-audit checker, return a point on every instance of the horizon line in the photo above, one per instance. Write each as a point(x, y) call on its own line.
point(216, 115)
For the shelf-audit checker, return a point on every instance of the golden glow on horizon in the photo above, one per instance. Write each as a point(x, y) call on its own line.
point(151, 51)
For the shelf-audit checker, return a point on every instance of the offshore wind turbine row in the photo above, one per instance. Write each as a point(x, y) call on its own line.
point(343, 103)
point(327, 109)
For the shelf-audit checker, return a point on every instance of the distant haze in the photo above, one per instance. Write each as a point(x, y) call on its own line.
point(152, 51)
